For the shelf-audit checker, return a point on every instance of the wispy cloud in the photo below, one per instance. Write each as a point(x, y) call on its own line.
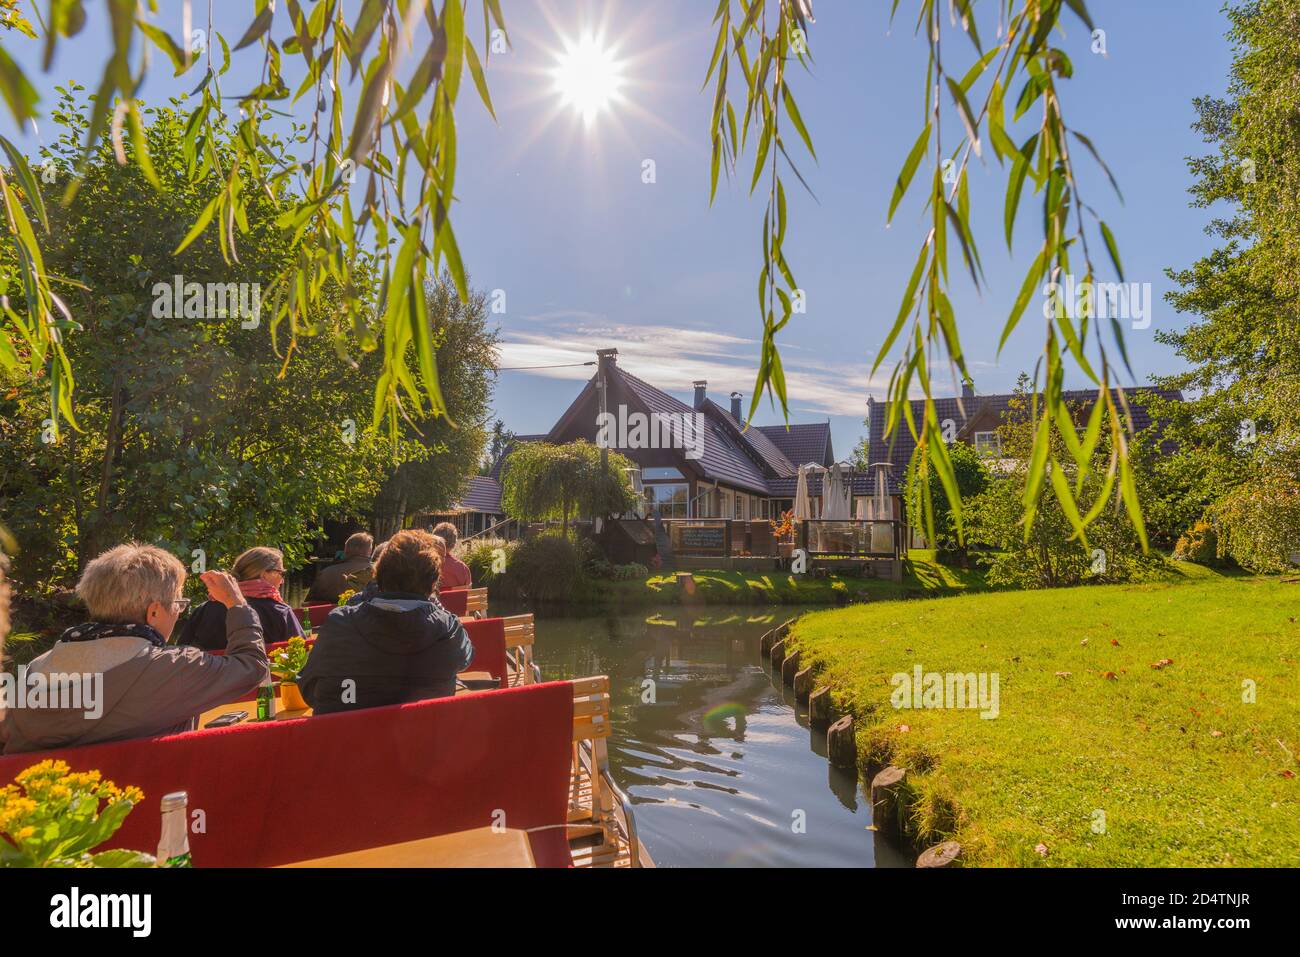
point(673, 357)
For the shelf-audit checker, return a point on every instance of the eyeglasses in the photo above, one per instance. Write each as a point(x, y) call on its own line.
point(180, 604)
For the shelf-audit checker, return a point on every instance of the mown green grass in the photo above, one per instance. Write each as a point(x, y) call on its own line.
point(1184, 770)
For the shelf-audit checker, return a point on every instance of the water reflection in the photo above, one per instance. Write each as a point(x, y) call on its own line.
point(715, 754)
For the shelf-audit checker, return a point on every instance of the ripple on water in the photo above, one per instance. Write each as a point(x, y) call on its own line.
point(719, 768)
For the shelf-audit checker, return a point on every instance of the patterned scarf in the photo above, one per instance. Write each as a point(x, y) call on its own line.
point(257, 588)
point(107, 629)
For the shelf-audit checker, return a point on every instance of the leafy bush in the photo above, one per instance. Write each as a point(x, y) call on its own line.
point(546, 568)
point(488, 559)
point(1199, 544)
point(1261, 522)
point(631, 572)
point(972, 474)
point(1050, 558)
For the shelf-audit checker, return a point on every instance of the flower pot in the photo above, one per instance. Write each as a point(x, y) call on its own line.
point(291, 698)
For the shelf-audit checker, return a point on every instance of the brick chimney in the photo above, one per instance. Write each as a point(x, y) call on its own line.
point(735, 406)
point(701, 389)
point(967, 390)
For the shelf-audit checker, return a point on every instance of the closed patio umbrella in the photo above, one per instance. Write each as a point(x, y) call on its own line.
point(802, 506)
point(835, 505)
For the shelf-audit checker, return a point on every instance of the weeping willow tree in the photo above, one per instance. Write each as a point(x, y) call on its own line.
point(542, 481)
point(383, 183)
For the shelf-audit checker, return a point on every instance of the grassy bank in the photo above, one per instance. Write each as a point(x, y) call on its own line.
point(922, 577)
point(1169, 762)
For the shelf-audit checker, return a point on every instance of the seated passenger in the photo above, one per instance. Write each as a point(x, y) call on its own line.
point(371, 588)
point(129, 682)
point(455, 573)
point(336, 579)
point(396, 647)
point(260, 573)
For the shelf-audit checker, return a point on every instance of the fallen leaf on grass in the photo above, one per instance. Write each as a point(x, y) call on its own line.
point(1110, 675)
point(1115, 642)
point(1288, 773)
point(904, 727)
point(1162, 663)
point(1084, 642)
point(1063, 674)
point(1216, 734)
point(1041, 850)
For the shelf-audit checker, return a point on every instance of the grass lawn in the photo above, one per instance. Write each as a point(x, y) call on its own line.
point(1183, 769)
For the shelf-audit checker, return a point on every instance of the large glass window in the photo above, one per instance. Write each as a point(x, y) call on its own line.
point(671, 500)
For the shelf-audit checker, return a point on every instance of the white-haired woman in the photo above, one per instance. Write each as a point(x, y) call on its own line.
point(131, 683)
point(260, 574)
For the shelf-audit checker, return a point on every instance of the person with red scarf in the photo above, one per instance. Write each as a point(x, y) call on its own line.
point(260, 573)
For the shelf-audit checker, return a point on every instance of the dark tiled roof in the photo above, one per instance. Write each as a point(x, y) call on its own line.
point(990, 408)
point(722, 459)
point(801, 444)
point(773, 458)
point(482, 495)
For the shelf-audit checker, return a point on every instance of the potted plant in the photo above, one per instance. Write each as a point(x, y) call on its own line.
point(53, 817)
point(286, 663)
point(783, 531)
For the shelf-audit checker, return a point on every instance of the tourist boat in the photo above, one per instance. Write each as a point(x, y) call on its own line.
point(522, 775)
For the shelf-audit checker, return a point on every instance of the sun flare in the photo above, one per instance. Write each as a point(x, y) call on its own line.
point(588, 77)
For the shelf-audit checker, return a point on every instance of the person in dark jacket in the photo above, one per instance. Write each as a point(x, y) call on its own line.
point(260, 573)
point(398, 646)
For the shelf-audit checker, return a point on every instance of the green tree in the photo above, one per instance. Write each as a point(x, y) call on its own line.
point(1238, 437)
point(1050, 552)
point(544, 481)
point(972, 476)
point(498, 443)
point(193, 432)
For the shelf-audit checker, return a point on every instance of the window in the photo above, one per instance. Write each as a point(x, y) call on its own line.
point(738, 511)
point(661, 473)
point(988, 443)
point(671, 500)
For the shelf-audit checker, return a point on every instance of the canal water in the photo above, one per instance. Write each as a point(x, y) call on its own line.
point(719, 762)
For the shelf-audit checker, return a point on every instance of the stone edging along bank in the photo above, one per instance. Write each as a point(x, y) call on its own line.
point(892, 797)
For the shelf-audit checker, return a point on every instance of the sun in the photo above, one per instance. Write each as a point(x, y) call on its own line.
point(588, 77)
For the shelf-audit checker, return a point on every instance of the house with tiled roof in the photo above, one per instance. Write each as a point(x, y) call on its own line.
point(975, 419)
point(718, 469)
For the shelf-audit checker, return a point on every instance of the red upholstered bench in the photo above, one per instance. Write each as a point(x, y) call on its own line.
point(279, 792)
point(455, 600)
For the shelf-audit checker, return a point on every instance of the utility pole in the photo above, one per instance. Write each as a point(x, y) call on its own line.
point(605, 358)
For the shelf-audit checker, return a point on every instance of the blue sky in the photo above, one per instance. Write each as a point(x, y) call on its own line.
point(554, 212)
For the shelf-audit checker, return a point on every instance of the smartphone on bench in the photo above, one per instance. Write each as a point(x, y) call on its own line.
point(227, 719)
